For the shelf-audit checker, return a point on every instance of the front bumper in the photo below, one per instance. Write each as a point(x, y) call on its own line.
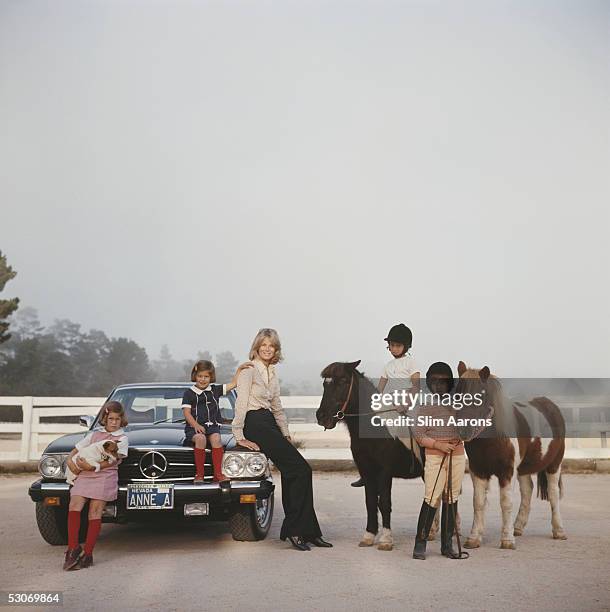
point(216, 494)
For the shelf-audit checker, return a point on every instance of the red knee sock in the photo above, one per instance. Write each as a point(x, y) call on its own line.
point(217, 454)
point(92, 532)
point(73, 528)
point(199, 461)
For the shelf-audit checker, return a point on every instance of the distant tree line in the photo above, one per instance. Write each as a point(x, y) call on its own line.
point(64, 360)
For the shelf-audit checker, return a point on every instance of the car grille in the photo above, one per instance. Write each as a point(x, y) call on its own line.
point(180, 466)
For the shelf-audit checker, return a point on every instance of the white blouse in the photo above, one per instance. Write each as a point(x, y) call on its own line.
point(257, 388)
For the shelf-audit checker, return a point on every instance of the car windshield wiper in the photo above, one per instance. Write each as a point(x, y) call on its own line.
point(166, 420)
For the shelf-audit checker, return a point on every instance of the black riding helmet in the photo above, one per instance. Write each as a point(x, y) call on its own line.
point(402, 334)
point(442, 368)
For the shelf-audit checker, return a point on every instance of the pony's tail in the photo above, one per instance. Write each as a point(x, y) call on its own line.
point(543, 486)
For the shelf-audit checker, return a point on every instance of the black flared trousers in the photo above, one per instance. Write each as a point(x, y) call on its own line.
point(297, 488)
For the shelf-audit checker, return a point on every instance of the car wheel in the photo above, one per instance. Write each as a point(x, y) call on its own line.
point(53, 524)
point(251, 522)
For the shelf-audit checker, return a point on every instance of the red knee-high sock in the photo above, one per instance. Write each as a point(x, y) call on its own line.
point(199, 461)
point(73, 528)
point(217, 454)
point(92, 532)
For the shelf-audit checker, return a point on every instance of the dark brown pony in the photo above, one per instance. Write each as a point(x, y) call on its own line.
point(378, 455)
point(494, 454)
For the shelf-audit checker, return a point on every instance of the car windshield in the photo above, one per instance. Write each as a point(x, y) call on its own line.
point(148, 405)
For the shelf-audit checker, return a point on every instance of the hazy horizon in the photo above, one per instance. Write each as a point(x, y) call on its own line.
point(186, 173)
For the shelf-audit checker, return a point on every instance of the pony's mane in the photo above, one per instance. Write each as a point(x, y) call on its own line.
point(341, 368)
point(504, 415)
point(338, 368)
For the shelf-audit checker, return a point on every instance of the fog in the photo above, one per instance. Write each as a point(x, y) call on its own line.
point(184, 173)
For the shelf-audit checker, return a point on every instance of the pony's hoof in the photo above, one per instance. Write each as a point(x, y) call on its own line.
point(507, 545)
point(385, 546)
point(472, 543)
point(559, 535)
point(368, 539)
point(518, 532)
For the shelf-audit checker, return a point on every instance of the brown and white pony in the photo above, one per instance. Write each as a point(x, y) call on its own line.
point(493, 454)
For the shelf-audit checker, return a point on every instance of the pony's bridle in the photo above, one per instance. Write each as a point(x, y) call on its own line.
point(342, 411)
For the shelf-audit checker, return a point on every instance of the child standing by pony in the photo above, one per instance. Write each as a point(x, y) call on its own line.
point(445, 461)
point(202, 415)
point(98, 484)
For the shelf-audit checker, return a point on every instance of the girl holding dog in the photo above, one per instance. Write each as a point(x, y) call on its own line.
point(99, 486)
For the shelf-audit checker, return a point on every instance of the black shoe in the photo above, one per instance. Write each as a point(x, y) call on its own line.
point(320, 543)
point(72, 557)
point(298, 542)
point(85, 561)
point(448, 529)
point(424, 524)
point(358, 483)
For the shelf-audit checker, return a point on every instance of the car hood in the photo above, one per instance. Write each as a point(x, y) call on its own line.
point(163, 434)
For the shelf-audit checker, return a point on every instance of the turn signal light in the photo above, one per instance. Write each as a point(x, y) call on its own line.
point(52, 501)
point(247, 499)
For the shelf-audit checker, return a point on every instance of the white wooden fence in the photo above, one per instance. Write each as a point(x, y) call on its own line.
point(36, 407)
point(301, 423)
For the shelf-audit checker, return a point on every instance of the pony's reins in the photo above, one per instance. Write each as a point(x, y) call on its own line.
point(342, 413)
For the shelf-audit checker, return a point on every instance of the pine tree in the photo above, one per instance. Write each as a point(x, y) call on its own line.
point(226, 364)
point(7, 307)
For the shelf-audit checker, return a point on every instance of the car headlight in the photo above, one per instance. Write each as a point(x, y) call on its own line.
point(243, 465)
point(256, 464)
point(52, 466)
point(233, 465)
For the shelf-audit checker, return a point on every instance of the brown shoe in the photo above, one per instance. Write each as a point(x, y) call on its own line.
point(72, 557)
point(85, 561)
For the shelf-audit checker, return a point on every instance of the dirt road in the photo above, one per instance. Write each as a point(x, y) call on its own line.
point(184, 567)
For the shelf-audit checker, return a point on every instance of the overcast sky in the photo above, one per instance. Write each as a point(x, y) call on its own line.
point(186, 172)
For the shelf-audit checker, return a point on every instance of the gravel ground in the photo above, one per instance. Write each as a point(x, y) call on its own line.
point(186, 567)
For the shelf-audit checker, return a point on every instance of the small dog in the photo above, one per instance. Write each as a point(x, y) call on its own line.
point(94, 454)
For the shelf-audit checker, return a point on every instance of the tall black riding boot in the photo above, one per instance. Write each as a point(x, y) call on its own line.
point(424, 524)
point(448, 529)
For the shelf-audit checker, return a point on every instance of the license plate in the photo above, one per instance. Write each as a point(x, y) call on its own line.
point(144, 496)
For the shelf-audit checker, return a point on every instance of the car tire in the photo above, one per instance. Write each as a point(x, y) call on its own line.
point(251, 522)
point(53, 524)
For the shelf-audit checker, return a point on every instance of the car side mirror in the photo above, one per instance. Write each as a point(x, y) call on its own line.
point(86, 420)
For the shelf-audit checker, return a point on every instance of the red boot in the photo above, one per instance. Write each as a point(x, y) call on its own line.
point(217, 454)
point(199, 465)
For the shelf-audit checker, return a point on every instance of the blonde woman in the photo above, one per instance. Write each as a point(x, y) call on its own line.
point(260, 424)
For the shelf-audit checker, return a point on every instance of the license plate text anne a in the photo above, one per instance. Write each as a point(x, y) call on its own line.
point(150, 497)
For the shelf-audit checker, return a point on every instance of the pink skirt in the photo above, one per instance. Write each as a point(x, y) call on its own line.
point(103, 485)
